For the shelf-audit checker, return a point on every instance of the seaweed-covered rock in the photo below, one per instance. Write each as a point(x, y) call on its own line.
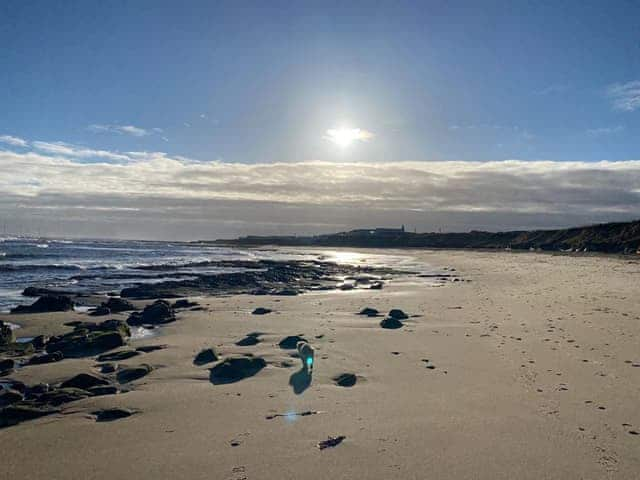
point(391, 323)
point(84, 381)
point(39, 342)
point(235, 369)
point(130, 374)
point(17, 349)
point(90, 338)
point(6, 366)
point(369, 312)
point(46, 303)
point(397, 314)
point(117, 305)
point(45, 358)
point(261, 311)
point(290, 342)
point(6, 334)
point(111, 414)
point(59, 396)
point(207, 355)
point(22, 411)
point(107, 367)
point(117, 356)
point(159, 312)
point(9, 396)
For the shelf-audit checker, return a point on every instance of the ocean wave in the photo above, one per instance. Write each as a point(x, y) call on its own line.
point(26, 267)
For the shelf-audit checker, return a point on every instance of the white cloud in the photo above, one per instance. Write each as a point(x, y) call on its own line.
point(603, 131)
point(14, 141)
point(153, 193)
point(625, 96)
point(119, 129)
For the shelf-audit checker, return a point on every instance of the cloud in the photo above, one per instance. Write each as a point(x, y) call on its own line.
point(14, 141)
point(153, 194)
point(625, 96)
point(120, 129)
point(603, 131)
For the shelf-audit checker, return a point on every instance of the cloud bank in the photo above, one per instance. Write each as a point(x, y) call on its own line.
point(63, 189)
point(625, 96)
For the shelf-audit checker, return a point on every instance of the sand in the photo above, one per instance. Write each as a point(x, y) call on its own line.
point(532, 377)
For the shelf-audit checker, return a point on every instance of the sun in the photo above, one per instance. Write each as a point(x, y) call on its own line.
point(343, 137)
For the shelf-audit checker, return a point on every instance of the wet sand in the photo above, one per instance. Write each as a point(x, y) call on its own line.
point(526, 371)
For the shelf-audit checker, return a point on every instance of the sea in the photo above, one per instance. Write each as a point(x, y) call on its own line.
point(104, 266)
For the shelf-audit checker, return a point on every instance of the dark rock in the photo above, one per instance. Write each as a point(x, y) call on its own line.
point(39, 342)
point(248, 341)
point(150, 348)
point(59, 396)
point(6, 334)
point(117, 356)
point(331, 442)
point(17, 349)
point(9, 396)
point(108, 367)
point(290, 342)
point(15, 385)
point(398, 314)
point(7, 365)
point(22, 411)
point(117, 305)
point(127, 375)
point(391, 323)
point(235, 369)
point(111, 414)
point(100, 311)
point(369, 312)
point(38, 389)
point(207, 355)
point(103, 390)
point(286, 292)
point(90, 339)
point(184, 303)
point(46, 303)
point(84, 381)
point(39, 292)
point(261, 311)
point(45, 358)
point(73, 323)
point(159, 312)
point(345, 380)
point(376, 286)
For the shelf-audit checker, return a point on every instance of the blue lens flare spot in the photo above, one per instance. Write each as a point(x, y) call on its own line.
point(309, 361)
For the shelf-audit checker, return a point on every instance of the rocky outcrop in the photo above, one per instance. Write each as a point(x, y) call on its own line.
point(89, 339)
point(207, 355)
point(235, 369)
point(159, 312)
point(130, 374)
point(46, 303)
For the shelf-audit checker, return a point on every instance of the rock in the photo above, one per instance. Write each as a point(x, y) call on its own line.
point(111, 414)
point(331, 442)
point(59, 396)
point(90, 338)
point(159, 312)
point(45, 358)
point(46, 303)
point(22, 411)
point(184, 303)
point(9, 396)
point(127, 375)
point(39, 292)
point(235, 369)
point(376, 286)
point(261, 311)
point(345, 380)
point(7, 366)
point(207, 355)
point(117, 356)
point(369, 312)
point(117, 305)
point(286, 292)
point(103, 390)
point(38, 389)
point(108, 367)
point(100, 311)
point(84, 381)
point(290, 342)
point(6, 334)
point(248, 341)
point(398, 314)
point(39, 342)
point(17, 349)
point(150, 348)
point(391, 323)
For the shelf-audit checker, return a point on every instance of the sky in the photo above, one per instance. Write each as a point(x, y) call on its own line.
point(187, 120)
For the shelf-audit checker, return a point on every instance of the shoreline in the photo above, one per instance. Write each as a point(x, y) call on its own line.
point(478, 413)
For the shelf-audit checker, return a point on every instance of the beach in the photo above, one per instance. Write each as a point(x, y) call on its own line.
point(513, 366)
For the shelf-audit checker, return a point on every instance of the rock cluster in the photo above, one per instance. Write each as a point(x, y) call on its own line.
point(159, 312)
point(46, 303)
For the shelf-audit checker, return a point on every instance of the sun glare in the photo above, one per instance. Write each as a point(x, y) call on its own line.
point(343, 137)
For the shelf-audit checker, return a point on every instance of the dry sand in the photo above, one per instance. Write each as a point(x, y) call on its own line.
point(531, 381)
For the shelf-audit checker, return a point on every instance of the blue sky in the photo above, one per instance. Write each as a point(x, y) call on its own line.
point(262, 84)
point(431, 80)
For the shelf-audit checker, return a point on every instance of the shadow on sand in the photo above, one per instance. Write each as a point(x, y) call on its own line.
point(300, 380)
